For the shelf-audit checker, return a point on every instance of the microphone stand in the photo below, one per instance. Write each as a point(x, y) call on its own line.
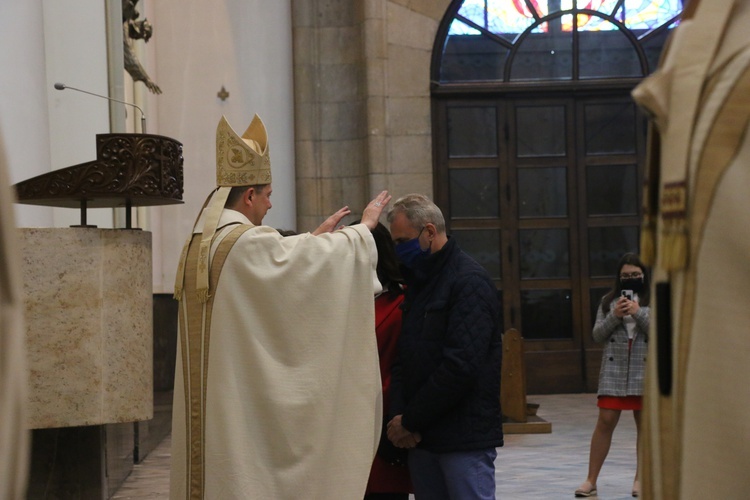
point(62, 86)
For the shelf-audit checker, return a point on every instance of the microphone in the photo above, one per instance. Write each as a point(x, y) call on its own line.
point(62, 86)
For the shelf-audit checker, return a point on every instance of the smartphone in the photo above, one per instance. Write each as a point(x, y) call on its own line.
point(628, 294)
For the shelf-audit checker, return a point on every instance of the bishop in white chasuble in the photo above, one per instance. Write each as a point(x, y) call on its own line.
point(277, 386)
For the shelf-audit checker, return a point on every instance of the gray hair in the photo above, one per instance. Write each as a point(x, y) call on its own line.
point(419, 210)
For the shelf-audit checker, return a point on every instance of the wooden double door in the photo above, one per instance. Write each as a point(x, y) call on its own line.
point(544, 191)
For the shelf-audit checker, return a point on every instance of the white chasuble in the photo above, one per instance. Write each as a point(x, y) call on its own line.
point(277, 386)
point(695, 439)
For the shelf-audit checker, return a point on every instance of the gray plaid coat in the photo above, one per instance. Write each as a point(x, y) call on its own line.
point(622, 370)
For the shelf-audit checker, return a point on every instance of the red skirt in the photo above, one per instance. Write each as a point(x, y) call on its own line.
point(620, 403)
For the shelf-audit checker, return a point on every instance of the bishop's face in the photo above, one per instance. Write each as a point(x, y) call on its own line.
point(260, 204)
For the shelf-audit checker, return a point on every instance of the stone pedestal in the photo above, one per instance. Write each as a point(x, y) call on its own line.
point(89, 322)
point(88, 313)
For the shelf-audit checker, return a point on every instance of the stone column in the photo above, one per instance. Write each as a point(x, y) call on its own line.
point(362, 101)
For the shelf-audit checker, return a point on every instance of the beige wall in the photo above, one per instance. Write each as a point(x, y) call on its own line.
point(362, 101)
point(198, 47)
point(42, 129)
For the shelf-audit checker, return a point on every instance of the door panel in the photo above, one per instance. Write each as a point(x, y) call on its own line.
point(544, 193)
point(472, 131)
point(540, 130)
point(474, 192)
point(483, 245)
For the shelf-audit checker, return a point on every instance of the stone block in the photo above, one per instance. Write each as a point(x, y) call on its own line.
point(339, 82)
point(308, 223)
point(306, 121)
point(376, 113)
point(330, 196)
point(434, 9)
point(342, 158)
point(88, 309)
point(409, 154)
point(408, 116)
point(303, 44)
point(376, 184)
point(340, 45)
point(407, 72)
point(403, 184)
point(377, 154)
point(335, 12)
point(354, 193)
point(305, 83)
point(375, 77)
point(409, 28)
point(308, 199)
point(375, 44)
point(375, 9)
point(303, 13)
point(342, 120)
point(306, 163)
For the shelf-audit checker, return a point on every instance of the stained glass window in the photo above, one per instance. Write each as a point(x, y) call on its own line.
point(494, 39)
point(649, 14)
point(503, 17)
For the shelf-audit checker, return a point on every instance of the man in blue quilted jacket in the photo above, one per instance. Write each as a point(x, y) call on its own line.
point(445, 386)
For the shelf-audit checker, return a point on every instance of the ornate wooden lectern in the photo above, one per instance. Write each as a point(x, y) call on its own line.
point(130, 170)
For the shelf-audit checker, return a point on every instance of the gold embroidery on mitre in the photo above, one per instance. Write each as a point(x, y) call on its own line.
point(245, 160)
point(674, 241)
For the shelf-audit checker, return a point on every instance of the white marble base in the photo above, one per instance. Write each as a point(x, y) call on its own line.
point(89, 323)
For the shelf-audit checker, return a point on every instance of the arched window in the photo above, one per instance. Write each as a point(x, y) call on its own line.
point(538, 40)
point(538, 158)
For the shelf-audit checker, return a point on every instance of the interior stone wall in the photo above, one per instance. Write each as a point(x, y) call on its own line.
point(362, 101)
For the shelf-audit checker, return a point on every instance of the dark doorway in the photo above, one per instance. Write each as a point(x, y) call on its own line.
point(538, 154)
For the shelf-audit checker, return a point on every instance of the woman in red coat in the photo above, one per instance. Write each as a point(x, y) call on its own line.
point(388, 480)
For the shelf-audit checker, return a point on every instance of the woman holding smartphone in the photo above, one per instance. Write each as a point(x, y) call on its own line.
point(622, 325)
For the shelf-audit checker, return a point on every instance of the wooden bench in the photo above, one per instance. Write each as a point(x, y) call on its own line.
point(519, 416)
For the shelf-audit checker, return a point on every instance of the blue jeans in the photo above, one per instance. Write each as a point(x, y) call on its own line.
point(459, 475)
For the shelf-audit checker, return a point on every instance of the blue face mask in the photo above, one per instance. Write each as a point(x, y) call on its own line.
point(410, 253)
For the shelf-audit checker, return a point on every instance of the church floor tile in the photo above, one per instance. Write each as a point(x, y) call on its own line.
point(529, 466)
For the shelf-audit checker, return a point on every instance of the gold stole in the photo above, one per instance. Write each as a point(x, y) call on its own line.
point(195, 333)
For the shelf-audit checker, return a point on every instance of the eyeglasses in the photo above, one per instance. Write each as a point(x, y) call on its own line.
point(625, 276)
